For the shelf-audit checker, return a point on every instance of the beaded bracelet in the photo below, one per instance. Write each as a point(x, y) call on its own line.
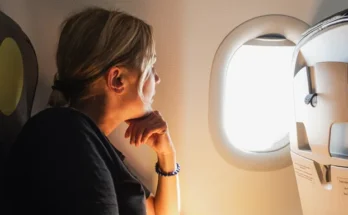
point(161, 173)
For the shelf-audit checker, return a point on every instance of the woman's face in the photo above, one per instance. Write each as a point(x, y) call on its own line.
point(136, 106)
point(149, 88)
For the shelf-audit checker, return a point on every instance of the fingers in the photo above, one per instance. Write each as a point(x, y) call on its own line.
point(131, 133)
point(140, 130)
point(157, 113)
point(149, 132)
point(127, 133)
point(138, 136)
point(148, 129)
point(146, 135)
point(135, 132)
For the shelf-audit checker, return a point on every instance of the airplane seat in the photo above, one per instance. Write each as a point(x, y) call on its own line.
point(319, 136)
point(18, 82)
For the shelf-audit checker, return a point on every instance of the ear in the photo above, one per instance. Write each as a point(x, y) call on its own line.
point(115, 79)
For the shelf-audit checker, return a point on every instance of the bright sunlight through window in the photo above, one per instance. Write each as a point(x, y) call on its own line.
point(258, 98)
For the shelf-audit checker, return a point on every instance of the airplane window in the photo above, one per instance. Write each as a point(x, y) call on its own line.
point(250, 92)
point(258, 97)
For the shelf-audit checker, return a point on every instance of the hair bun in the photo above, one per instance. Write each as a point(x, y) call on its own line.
point(57, 99)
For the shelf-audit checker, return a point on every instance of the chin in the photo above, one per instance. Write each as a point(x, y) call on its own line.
point(143, 109)
point(144, 112)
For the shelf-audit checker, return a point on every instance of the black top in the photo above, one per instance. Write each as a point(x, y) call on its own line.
point(62, 163)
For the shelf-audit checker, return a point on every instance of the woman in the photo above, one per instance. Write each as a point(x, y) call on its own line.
point(62, 162)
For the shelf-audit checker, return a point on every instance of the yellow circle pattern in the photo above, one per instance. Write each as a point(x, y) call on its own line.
point(11, 76)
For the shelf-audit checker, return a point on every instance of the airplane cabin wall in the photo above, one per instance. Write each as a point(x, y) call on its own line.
point(188, 33)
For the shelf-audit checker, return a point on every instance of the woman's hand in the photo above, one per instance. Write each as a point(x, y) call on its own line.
point(151, 130)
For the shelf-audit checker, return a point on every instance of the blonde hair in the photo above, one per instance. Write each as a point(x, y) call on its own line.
point(91, 42)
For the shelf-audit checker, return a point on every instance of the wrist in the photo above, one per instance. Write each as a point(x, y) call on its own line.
point(167, 161)
point(170, 152)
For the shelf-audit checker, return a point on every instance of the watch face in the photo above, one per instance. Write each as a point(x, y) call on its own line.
point(18, 79)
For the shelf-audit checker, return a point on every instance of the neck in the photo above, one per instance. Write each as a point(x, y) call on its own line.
point(106, 119)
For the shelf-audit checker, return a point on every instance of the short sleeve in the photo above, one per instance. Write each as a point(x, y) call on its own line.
point(83, 174)
point(62, 164)
point(132, 171)
point(69, 174)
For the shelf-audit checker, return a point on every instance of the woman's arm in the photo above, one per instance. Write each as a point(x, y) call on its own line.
point(150, 206)
point(153, 131)
point(166, 200)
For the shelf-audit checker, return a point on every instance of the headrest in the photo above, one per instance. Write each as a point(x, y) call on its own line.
point(18, 81)
point(326, 41)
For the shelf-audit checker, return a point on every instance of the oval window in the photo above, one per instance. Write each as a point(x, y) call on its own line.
point(250, 95)
point(258, 91)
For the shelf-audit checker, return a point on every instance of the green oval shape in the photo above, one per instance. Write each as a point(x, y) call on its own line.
point(11, 76)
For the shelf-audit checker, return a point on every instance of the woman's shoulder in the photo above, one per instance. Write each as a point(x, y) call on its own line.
point(61, 117)
point(57, 122)
point(62, 129)
point(57, 113)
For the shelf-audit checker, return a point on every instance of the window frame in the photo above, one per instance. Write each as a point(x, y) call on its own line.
point(291, 28)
